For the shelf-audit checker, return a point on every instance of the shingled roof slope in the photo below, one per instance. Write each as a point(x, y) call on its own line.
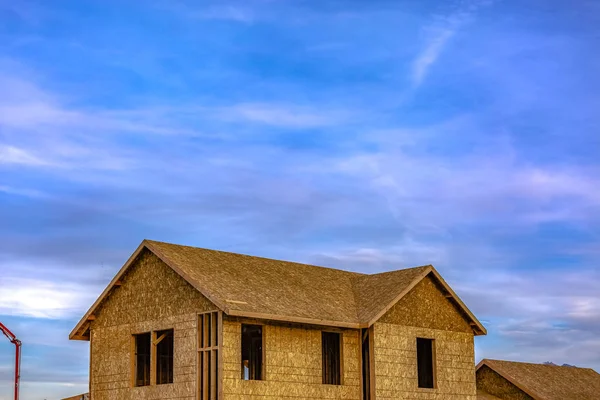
point(481, 395)
point(246, 285)
point(549, 382)
point(257, 287)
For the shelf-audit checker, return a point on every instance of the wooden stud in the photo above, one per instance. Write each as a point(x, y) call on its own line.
point(90, 367)
point(153, 359)
point(205, 375)
point(341, 366)
point(206, 343)
point(361, 344)
point(213, 375)
point(220, 355)
point(372, 362)
point(159, 339)
point(132, 365)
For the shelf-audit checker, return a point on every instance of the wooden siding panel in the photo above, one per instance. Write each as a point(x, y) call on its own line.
point(395, 354)
point(292, 364)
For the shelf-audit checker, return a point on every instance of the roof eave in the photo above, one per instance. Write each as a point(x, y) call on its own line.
point(299, 320)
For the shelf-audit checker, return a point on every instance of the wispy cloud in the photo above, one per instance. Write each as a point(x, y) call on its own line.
point(227, 11)
point(14, 155)
point(439, 33)
point(22, 192)
point(430, 54)
point(281, 115)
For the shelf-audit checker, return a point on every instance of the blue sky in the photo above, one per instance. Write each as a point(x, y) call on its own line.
point(364, 135)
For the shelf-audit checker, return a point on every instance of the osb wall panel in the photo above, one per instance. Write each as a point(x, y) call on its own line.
point(426, 306)
point(395, 353)
point(293, 365)
point(152, 297)
point(491, 382)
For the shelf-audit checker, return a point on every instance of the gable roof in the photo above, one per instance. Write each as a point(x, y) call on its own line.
point(256, 287)
point(548, 382)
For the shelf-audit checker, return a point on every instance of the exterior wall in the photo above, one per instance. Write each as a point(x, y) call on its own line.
point(152, 297)
point(491, 382)
point(292, 362)
point(424, 312)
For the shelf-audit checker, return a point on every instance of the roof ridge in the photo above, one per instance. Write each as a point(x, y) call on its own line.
point(398, 270)
point(356, 274)
point(537, 364)
point(571, 367)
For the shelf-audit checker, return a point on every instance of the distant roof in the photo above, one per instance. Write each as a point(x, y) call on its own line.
point(256, 287)
point(548, 382)
point(84, 396)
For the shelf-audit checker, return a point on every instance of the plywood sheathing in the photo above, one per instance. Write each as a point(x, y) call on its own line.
point(491, 382)
point(541, 381)
point(293, 367)
point(426, 306)
point(396, 363)
point(152, 297)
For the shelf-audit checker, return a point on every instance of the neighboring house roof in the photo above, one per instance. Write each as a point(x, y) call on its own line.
point(548, 382)
point(256, 287)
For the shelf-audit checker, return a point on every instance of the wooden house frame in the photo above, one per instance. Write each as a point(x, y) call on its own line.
point(170, 287)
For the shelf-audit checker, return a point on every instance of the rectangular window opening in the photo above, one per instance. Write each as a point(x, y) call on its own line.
point(425, 363)
point(164, 357)
point(331, 358)
point(252, 348)
point(142, 359)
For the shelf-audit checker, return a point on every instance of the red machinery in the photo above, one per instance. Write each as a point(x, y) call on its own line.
point(13, 339)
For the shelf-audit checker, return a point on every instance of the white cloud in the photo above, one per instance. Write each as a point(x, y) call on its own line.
point(41, 299)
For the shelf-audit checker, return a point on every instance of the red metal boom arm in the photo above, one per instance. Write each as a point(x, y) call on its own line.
point(13, 339)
